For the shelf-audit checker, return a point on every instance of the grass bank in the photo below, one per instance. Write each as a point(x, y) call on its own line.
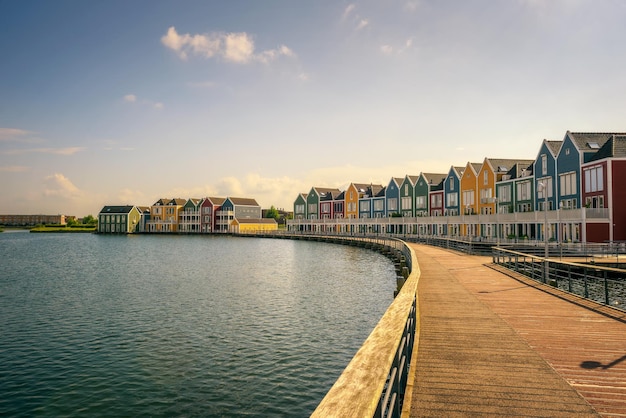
point(64, 228)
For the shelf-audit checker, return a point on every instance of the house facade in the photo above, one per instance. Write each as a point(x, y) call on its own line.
point(119, 220)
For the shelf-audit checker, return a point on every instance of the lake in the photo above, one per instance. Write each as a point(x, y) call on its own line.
point(100, 325)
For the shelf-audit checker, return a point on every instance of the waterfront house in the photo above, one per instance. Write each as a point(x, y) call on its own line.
point(366, 201)
point(164, 215)
point(603, 192)
point(189, 216)
point(407, 195)
point(492, 171)
point(299, 207)
point(392, 196)
point(513, 191)
point(251, 226)
point(313, 199)
point(119, 220)
point(353, 194)
point(236, 208)
point(208, 209)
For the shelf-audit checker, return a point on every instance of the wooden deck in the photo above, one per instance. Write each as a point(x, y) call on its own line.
point(493, 345)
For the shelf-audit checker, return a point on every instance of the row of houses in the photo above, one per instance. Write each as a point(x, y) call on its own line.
point(191, 216)
point(574, 190)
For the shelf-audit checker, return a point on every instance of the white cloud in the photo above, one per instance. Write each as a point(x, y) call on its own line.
point(59, 185)
point(54, 151)
point(236, 47)
point(348, 10)
point(12, 134)
point(386, 49)
point(14, 169)
point(362, 24)
point(131, 98)
point(132, 197)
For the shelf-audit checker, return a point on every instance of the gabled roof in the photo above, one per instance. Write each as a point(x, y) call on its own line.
point(553, 146)
point(591, 141)
point(381, 192)
point(177, 202)
point(412, 179)
point(327, 193)
point(504, 165)
point(117, 209)
point(434, 179)
point(144, 209)
point(216, 201)
point(161, 202)
point(341, 196)
point(243, 201)
point(614, 147)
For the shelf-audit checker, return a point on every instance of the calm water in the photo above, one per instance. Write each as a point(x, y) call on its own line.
point(180, 325)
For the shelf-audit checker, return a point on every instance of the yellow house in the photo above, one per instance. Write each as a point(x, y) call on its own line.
point(492, 171)
point(353, 193)
point(164, 215)
point(251, 226)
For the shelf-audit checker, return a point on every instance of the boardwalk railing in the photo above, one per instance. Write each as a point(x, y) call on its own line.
point(601, 284)
point(374, 382)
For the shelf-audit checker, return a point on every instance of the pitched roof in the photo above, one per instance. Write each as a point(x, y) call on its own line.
point(177, 202)
point(553, 146)
point(591, 141)
point(434, 179)
point(614, 147)
point(504, 165)
point(117, 209)
point(243, 201)
point(217, 201)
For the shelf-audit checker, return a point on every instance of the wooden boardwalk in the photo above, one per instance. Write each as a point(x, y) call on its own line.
point(493, 345)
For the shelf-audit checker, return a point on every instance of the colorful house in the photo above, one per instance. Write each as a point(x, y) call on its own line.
point(469, 200)
point(314, 198)
point(236, 208)
point(189, 216)
point(208, 209)
point(300, 206)
point(407, 195)
point(119, 220)
point(252, 226)
point(392, 196)
point(603, 192)
point(425, 184)
point(353, 194)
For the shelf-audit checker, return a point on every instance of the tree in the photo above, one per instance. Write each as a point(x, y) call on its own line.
point(272, 213)
point(89, 220)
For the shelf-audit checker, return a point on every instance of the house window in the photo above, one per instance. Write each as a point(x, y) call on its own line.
point(523, 190)
point(485, 177)
point(451, 183)
point(406, 203)
point(435, 200)
point(379, 205)
point(392, 204)
point(568, 184)
point(452, 199)
point(420, 202)
point(504, 194)
point(365, 205)
point(312, 208)
point(594, 179)
point(544, 164)
point(485, 194)
point(299, 208)
point(468, 197)
point(541, 189)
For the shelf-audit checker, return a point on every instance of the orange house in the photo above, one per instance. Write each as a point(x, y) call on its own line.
point(352, 195)
point(469, 198)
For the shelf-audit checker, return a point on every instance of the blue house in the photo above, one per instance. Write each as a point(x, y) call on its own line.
point(392, 196)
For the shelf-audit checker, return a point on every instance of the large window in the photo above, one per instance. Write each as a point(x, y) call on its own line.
point(452, 199)
point(523, 190)
point(468, 197)
point(312, 208)
point(365, 205)
point(451, 183)
point(420, 202)
point(542, 185)
point(406, 203)
point(568, 184)
point(435, 200)
point(392, 204)
point(379, 205)
point(504, 194)
point(594, 179)
point(299, 209)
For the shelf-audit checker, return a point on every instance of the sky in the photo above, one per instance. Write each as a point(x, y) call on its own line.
point(117, 102)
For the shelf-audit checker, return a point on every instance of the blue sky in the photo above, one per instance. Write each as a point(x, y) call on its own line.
point(118, 102)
